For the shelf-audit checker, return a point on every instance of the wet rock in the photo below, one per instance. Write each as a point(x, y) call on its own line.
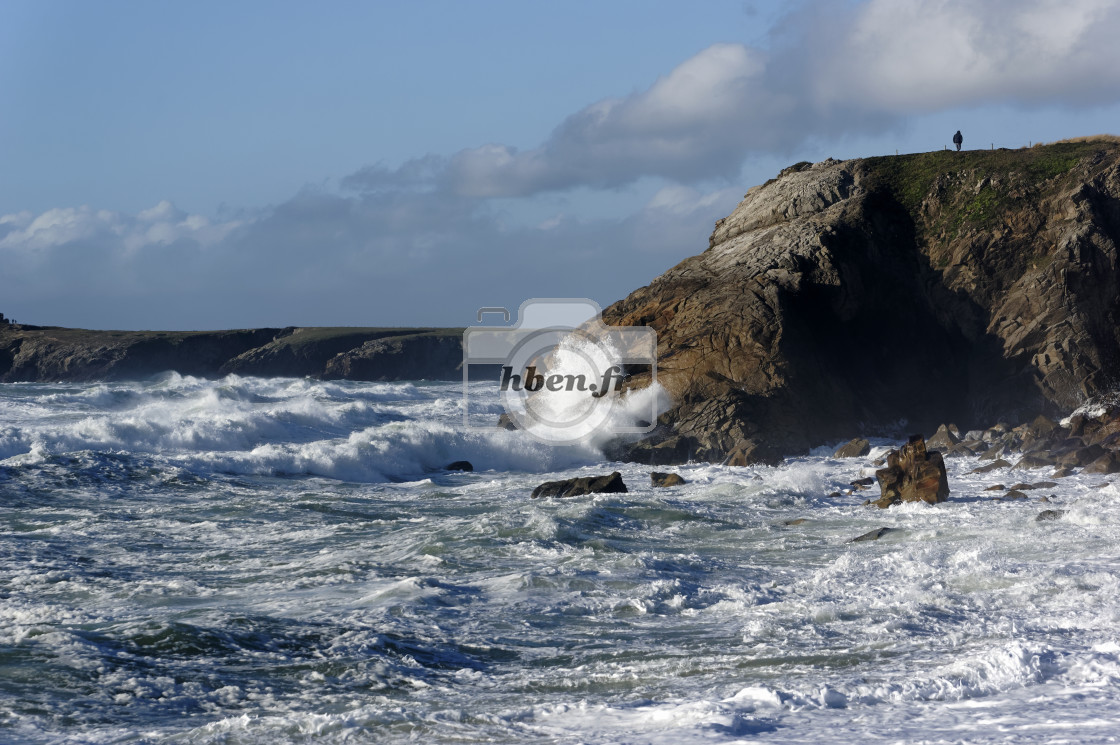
point(834, 495)
point(913, 474)
point(1062, 472)
point(1108, 463)
point(1013, 494)
point(1082, 456)
point(1035, 460)
point(1021, 487)
point(505, 421)
point(865, 481)
point(611, 484)
point(666, 479)
point(856, 448)
point(798, 521)
point(460, 465)
point(961, 451)
point(873, 535)
point(996, 487)
point(946, 436)
point(994, 465)
point(1047, 515)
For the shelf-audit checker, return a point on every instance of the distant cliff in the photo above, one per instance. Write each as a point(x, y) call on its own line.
point(890, 294)
point(33, 353)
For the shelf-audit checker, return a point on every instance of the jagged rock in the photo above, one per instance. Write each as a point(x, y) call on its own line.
point(994, 465)
point(611, 484)
point(460, 465)
point(960, 451)
point(913, 474)
point(1047, 515)
point(856, 448)
point(1036, 460)
point(1014, 311)
point(1082, 456)
point(505, 421)
point(872, 535)
point(666, 479)
point(944, 438)
point(865, 481)
point(1108, 463)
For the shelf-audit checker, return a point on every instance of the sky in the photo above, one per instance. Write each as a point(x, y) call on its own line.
point(240, 164)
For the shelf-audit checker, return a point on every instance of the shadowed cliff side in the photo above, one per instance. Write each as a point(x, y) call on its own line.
point(890, 293)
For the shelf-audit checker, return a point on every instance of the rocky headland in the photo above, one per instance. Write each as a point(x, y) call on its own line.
point(884, 296)
point(49, 354)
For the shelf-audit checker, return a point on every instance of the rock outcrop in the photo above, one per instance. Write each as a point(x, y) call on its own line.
point(987, 280)
point(913, 474)
point(610, 484)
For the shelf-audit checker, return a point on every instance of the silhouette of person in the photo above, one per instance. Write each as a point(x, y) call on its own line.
point(957, 140)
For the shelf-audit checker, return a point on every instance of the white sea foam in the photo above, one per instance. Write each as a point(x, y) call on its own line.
point(271, 561)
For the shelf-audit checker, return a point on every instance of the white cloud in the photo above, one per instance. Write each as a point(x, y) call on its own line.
point(160, 225)
point(909, 56)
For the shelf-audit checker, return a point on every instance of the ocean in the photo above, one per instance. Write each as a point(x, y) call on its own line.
point(252, 560)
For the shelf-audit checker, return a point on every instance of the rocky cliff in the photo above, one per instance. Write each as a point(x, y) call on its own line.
point(30, 353)
point(890, 294)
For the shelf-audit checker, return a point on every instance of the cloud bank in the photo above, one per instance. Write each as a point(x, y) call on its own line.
point(426, 243)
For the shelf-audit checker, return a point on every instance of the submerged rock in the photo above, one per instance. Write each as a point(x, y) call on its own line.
point(460, 465)
point(856, 448)
point(873, 535)
point(666, 479)
point(913, 474)
point(611, 484)
point(1047, 515)
point(994, 465)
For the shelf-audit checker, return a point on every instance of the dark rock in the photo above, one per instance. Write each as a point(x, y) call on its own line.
point(611, 484)
point(834, 495)
point(865, 481)
point(1062, 472)
point(1082, 456)
point(1108, 463)
point(505, 421)
point(913, 474)
point(666, 479)
point(996, 487)
point(961, 451)
point(873, 535)
point(1021, 487)
point(460, 465)
point(944, 438)
point(798, 521)
point(1013, 494)
point(1047, 515)
point(1044, 485)
point(994, 465)
point(856, 448)
point(1037, 460)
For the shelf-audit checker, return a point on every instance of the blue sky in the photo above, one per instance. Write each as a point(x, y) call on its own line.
point(211, 165)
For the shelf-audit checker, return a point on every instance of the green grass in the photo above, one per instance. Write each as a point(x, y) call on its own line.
point(1004, 174)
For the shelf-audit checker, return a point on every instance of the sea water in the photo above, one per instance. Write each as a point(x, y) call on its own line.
point(278, 561)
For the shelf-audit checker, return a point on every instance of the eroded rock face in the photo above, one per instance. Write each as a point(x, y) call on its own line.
point(990, 279)
point(913, 474)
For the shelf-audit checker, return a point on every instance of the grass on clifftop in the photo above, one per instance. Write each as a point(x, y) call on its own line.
point(912, 177)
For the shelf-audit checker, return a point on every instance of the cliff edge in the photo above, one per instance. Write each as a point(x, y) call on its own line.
point(890, 294)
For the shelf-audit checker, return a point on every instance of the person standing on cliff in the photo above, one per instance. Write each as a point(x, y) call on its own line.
point(957, 140)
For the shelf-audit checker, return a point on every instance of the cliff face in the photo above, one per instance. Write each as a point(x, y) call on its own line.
point(890, 293)
point(29, 353)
